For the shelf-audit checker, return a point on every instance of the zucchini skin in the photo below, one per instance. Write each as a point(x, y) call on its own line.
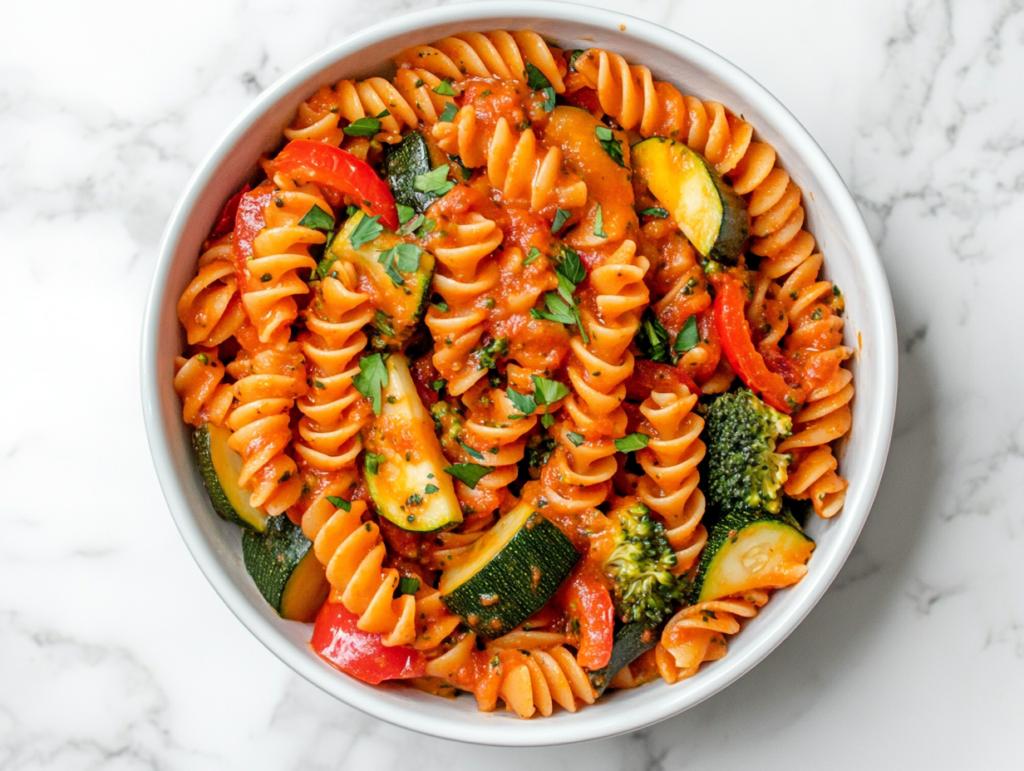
point(202, 450)
point(631, 641)
point(726, 532)
point(271, 557)
point(517, 581)
point(668, 167)
point(402, 164)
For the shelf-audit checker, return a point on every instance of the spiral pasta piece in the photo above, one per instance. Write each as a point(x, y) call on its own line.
point(210, 308)
point(269, 379)
point(804, 309)
point(576, 476)
point(526, 172)
point(323, 116)
point(464, 279)
point(499, 444)
point(670, 462)
point(334, 412)
point(197, 381)
point(698, 633)
point(498, 54)
point(353, 553)
point(536, 680)
point(279, 251)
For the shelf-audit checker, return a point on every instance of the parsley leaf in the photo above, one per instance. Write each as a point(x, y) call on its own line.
point(548, 391)
point(373, 462)
point(632, 442)
point(557, 310)
point(405, 213)
point(474, 454)
point(434, 182)
point(525, 403)
point(408, 257)
point(441, 306)
point(363, 127)
point(653, 339)
point(372, 377)
point(468, 473)
point(431, 489)
point(688, 336)
point(317, 219)
point(387, 259)
point(547, 420)
point(574, 56)
point(367, 229)
point(561, 215)
point(656, 211)
point(536, 79)
point(599, 223)
point(444, 88)
point(407, 586)
point(533, 255)
point(382, 114)
point(549, 99)
point(339, 503)
point(611, 145)
point(576, 439)
point(450, 111)
point(571, 266)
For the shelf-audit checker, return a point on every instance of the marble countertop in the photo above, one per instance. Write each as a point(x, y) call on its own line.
point(114, 651)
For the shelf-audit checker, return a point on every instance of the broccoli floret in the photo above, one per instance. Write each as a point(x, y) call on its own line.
point(745, 473)
point(640, 566)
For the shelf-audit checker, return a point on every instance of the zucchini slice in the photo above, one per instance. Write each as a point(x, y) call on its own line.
point(706, 208)
point(220, 466)
point(402, 164)
point(744, 552)
point(285, 569)
point(405, 468)
point(400, 296)
point(631, 641)
point(509, 573)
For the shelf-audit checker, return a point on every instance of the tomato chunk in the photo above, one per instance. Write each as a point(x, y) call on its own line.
point(590, 603)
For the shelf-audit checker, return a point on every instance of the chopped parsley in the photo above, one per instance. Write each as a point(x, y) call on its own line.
point(407, 585)
point(561, 215)
point(339, 503)
point(611, 145)
point(444, 88)
point(363, 127)
point(468, 473)
point(576, 439)
point(599, 223)
point(631, 443)
point(317, 219)
point(533, 255)
point(688, 336)
point(434, 182)
point(367, 229)
point(449, 113)
point(372, 377)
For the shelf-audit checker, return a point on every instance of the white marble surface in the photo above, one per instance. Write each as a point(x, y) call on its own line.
point(115, 653)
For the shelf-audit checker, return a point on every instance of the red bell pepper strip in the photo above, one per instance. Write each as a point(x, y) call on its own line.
point(331, 166)
point(590, 603)
point(743, 356)
point(338, 640)
point(226, 220)
point(249, 221)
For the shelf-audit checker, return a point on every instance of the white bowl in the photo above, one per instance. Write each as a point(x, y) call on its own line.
point(833, 218)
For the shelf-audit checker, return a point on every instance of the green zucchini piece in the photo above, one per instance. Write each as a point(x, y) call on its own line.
point(706, 208)
point(399, 296)
point(631, 641)
point(751, 551)
point(509, 573)
point(285, 569)
point(220, 466)
point(402, 164)
point(405, 468)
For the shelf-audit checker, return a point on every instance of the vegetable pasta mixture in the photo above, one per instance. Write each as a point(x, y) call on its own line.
point(518, 373)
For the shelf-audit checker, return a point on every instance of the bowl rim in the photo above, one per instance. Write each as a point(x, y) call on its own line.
point(877, 433)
